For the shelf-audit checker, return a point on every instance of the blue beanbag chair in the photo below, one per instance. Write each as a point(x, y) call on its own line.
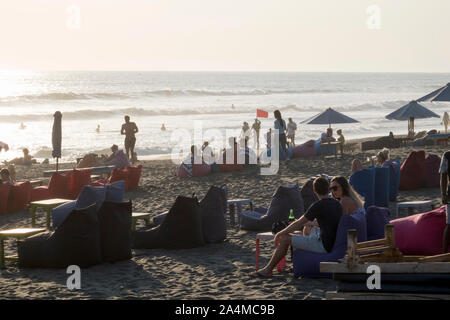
point(60, 213)
point(115, 191)
point(376, 218)
point(382, 186)
point(363, 181)
point(394, 180)
point(307, 264)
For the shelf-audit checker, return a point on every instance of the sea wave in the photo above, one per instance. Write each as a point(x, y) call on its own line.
point(64, 96)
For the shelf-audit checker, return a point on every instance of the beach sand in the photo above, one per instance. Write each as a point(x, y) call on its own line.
point(215, 271)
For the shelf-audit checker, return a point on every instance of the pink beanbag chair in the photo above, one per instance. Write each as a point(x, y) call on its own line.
point(19, 196)
point(412, 171)
point(4, 193)
point(420, 234)
point(432, 177)
point(305, 150)
point(195, 170)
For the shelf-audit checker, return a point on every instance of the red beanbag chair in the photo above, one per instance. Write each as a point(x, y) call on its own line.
point(196, 170)
point(420, 234)
point(134, 175)
point(412, 171)
point(432, 177)
point(19, 196)
point(4, 193)
point(230, 167)
point(40, 193)
point(78, 180)
point(59, 185)
point(119, 175)
point(305, 150)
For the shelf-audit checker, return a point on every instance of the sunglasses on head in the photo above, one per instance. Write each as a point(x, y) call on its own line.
point(334, 188)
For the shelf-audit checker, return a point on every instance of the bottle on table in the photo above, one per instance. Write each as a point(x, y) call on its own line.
point(291, 216)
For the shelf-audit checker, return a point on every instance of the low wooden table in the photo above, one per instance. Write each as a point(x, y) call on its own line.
point(20, 233)
point(328, 145)
point(47, 205)
point(412, 204)
point(237, 203)
point(140, 215)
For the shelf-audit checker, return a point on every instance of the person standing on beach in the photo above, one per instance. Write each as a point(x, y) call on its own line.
point(291, 127)
point(445, 121)
point(327, 212)
point(129, 129)
point(280, 125)
point(256, 126)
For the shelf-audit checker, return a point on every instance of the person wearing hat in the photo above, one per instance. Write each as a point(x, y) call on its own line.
point(118, 158)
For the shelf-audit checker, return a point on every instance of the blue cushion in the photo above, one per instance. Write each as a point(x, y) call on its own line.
point(376, 218)
point(382, 186)
point(363, 181)
point(90, 195)
point(60, 213)
point(115, 191)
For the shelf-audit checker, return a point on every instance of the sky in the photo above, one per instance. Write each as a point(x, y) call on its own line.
point(226, 35)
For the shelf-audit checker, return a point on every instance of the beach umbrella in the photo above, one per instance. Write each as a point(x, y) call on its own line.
point(4, 146)
point(411, 111)
point(441, 94)
point(329, 117)
point(56, 137)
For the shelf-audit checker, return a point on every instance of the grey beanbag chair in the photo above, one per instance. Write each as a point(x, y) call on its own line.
point(213, 215)
point(284, 199)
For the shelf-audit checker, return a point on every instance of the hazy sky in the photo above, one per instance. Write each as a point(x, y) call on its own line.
point(226, 35)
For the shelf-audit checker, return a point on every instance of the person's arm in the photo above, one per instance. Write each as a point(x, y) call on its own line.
point(122, 130)
point(135, 128)
point(294, 226)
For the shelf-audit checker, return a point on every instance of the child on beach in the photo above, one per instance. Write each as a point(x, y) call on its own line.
point(327, 211)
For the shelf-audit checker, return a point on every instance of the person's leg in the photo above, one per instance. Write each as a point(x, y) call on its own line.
point(127, 147)
point(279, 253)
point(132, 143)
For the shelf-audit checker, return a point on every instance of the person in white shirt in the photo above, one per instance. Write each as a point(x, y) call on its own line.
point(291, 128)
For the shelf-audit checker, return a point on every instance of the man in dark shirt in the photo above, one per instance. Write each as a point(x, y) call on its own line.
point(326, 211)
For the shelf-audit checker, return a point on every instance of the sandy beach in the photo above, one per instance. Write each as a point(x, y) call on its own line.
point(215, 271)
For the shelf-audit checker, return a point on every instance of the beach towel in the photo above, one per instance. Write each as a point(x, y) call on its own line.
point(75, 242)
point(115, 230)
point(420, 234)
point(4, 194)
point(283, 200)
point(180, 229)
point(213, 216)
point(305, 150)
point(412, 171)
point(19, 196)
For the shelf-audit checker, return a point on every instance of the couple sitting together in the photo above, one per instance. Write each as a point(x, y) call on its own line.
point(319, 223)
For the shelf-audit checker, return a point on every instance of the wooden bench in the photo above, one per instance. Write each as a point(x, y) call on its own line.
point(47, 205)
point(95, 170)
point(20, 233)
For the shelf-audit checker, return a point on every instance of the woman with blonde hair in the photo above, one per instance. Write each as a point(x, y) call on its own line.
point(342, 191)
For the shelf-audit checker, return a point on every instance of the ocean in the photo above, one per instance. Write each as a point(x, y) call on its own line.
point(192, 104)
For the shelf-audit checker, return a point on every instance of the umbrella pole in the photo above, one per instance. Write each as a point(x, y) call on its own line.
point(57, 164)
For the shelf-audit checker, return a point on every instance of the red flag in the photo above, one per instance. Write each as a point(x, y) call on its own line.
point(261, 113)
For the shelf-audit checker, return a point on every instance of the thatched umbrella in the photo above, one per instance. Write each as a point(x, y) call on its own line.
point(411, 111)
point(56, 137)
point(441, 94)
point(329, 116)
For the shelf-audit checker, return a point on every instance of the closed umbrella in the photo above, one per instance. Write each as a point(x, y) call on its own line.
point(56, 137)
point(329, 116)
point(441, 94)
point(411, 111)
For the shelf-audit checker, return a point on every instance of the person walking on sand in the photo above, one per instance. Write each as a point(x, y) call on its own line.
point(291, 127)
point(129, 129)
point(256, 126)
point(327, 212)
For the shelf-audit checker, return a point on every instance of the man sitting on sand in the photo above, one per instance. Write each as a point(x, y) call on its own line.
point(26, 160)
point(327, 212)
point(118, 158)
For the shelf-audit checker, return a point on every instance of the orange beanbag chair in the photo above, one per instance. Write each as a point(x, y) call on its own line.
point(134, 175)
point(412, 171)
point(4, 193)
point(19, 196)
point(78, 180)
point(119, 175)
